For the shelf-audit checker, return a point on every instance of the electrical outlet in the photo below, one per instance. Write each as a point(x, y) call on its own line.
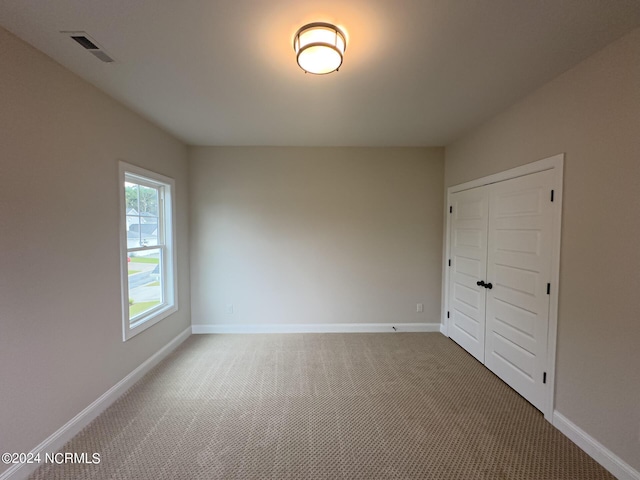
point(419, 308)
point(229, 309)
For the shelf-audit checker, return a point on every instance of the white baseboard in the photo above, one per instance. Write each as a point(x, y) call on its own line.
point(443, 330)
point(318, 328)
point(65, 433)
point(605, 457)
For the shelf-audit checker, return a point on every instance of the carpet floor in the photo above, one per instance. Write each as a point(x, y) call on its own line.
point(323, 406)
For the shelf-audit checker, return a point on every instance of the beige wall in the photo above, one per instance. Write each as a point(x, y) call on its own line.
point(60, 322)
point(316, 235)
point(592, 113)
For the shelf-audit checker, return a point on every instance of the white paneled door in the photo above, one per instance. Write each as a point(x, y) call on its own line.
point(469, 225)
point(501, 250)
point(519, 269)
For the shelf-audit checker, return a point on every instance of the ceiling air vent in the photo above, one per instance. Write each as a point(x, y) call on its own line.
point(90, 45)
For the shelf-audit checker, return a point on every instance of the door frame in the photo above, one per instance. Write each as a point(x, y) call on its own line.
point(555, 163)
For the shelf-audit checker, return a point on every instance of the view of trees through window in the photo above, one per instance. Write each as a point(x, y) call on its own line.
point(144, 232)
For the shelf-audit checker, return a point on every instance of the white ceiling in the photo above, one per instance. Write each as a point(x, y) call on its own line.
point(416, 72)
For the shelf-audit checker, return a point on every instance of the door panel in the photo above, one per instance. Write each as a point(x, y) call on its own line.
point(519, 267)
point(469, 222)
point(513, 356)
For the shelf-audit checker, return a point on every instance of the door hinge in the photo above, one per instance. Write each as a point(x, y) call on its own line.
point(447, 314)
point(450, 209)
point(449, 262)
point(544, 377)
point(548, 289)
point(552, 192)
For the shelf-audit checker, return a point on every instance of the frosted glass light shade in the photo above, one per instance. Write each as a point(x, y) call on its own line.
point(319, 48)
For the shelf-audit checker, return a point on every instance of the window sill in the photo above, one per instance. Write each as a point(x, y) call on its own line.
point(147, 321)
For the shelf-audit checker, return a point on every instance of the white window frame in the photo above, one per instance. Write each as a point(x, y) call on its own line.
point(169, 306)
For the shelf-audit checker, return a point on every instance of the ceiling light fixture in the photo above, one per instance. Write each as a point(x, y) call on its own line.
point(319, 48)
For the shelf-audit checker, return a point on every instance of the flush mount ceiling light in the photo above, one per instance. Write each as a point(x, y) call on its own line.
point(319, 48)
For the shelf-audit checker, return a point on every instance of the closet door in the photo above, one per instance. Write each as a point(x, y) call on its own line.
point(469, 220)
point(518, 268)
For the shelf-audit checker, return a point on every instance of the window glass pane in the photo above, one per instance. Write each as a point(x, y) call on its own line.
point(131, 196)
point(148, 201)
point(145, 281)
point(148, 230)
point(133, 231)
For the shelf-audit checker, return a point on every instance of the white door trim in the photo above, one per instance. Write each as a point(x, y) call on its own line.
point(555, 163)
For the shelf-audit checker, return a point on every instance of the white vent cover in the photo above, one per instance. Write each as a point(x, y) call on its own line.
point(88, 43)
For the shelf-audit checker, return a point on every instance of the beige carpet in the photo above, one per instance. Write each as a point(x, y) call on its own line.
point(331, 406)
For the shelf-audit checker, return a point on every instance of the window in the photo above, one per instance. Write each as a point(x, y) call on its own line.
point(147, 248)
